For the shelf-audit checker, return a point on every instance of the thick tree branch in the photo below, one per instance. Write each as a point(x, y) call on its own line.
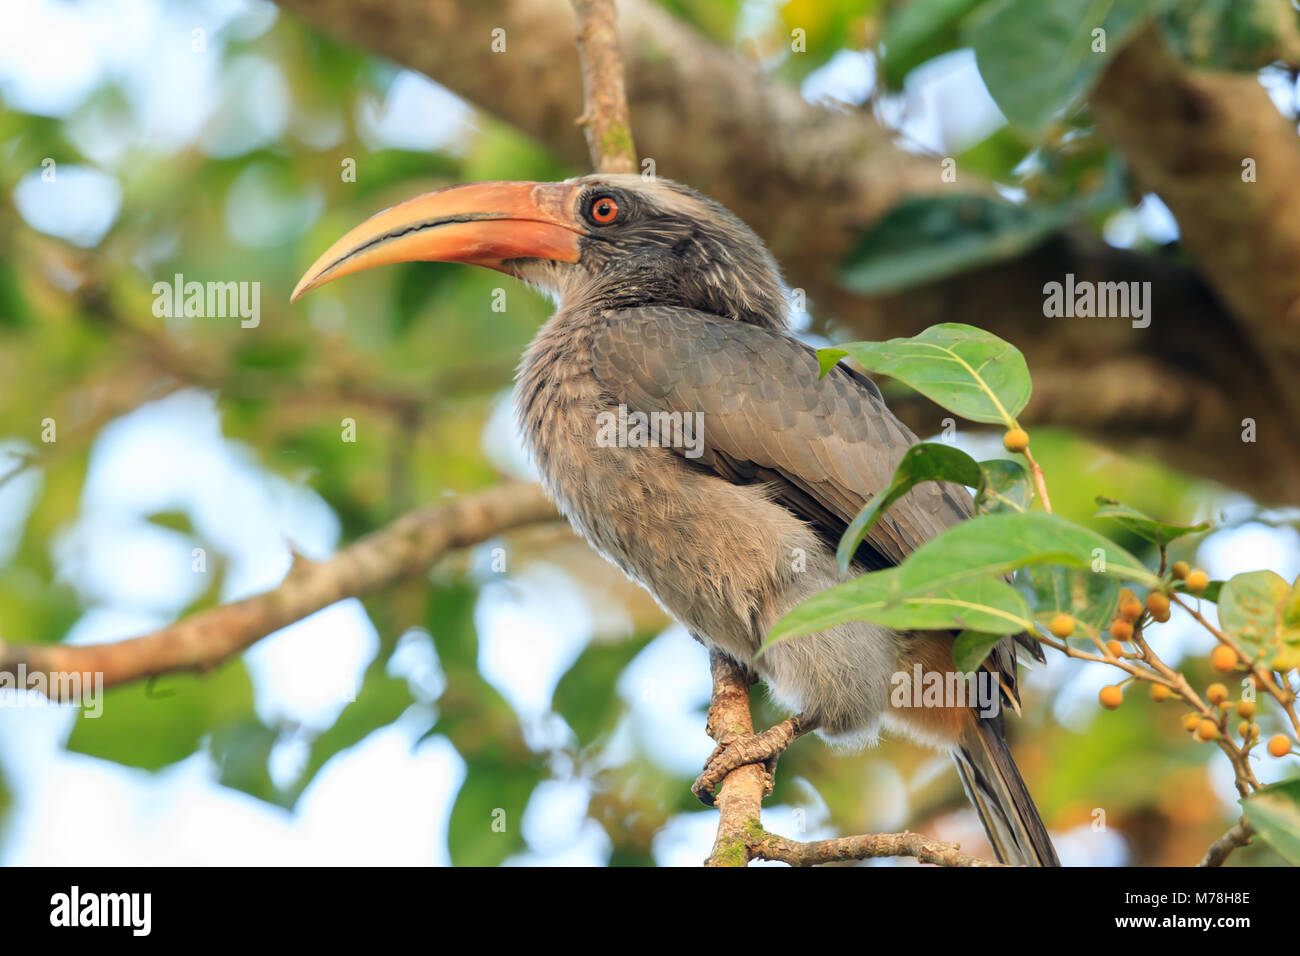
point(1227, 164)
point(402, 549)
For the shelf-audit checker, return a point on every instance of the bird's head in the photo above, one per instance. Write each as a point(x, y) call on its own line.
point(614, 241)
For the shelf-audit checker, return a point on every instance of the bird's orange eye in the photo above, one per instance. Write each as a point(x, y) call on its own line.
point(604, 210)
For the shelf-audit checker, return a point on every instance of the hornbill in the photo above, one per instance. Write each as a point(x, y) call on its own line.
point(669, 304)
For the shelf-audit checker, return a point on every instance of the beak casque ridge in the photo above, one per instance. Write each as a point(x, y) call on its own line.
point(484, 224)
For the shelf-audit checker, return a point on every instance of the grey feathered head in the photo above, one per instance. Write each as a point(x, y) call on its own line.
point(614, 240)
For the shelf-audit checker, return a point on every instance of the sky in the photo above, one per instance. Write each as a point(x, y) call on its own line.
point(171, 455)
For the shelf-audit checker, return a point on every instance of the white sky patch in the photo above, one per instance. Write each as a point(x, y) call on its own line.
point(1250, 547)
point(667, 687)
point(531, 627)
point(309, 671)
point(253, 109)
point(558, 830)
point(945, 106)
point(262, 212)
point(503, 443)
point(79, 204)
point(848, 76)
point(416, 114)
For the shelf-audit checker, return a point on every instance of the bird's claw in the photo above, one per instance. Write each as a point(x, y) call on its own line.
point(739, 750)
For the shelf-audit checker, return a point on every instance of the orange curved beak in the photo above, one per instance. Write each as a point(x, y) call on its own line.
point(485, 224)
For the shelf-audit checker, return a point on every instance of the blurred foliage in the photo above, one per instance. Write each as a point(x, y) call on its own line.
point(418, 359)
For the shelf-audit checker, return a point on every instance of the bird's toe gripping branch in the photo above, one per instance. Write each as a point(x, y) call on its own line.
point(739, 750)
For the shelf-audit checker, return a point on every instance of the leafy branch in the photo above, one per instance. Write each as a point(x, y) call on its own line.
point(1067, 577)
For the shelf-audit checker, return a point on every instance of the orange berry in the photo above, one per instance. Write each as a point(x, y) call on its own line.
point(1246, 708)
point(1207, 730)
point(1157, 604)
point(1062, 626)
point(1191, 721)
point(1111, 696)
point(1197, 581)
point(1160, 692)
point(1279, 745)
point(1223, 658)
point(1121, 629)
point(1179, 569)
point(1115, 647)
point(1015, 440)
point(1130, 609)
point(1216, 693)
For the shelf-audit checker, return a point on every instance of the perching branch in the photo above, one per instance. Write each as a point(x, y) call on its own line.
point(400, 550)
point(1226, 162)
point(739, 797)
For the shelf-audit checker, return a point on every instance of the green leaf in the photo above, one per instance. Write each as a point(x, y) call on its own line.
point(918, 31)
point(966, 370)
point(985, 604)
point(926, 238)
point(1274, 812)
point(927, 461)
point(587, 695)
point(827, 359)
point(993, 545)
point(1037, 57)
point(177, 521)
point(155, 723)
point(485, 819)
point(1257, 609)
point(971, 647)
point(1157, 532)
point(242, 753)
point(1006, 487)
point(1087, 597)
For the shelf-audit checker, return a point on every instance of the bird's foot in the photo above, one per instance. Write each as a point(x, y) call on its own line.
point(739, 750)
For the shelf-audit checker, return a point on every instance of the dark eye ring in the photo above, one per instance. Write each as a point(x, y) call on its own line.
point(603, 210)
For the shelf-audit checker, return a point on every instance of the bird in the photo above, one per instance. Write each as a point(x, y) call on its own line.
point(672, 316)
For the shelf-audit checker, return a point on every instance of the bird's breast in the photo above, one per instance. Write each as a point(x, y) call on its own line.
point(714, 554)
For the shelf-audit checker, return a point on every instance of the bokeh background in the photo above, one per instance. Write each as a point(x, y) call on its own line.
point(144, 138)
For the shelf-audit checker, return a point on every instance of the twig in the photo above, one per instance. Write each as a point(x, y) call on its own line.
point(605, 114)
point(1040, 483)
point(400, 550)
point(1220, 849)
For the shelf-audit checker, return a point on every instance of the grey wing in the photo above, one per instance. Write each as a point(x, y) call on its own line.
point(826, 446)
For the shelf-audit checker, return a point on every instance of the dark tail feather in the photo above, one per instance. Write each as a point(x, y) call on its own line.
point(1006, 809)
